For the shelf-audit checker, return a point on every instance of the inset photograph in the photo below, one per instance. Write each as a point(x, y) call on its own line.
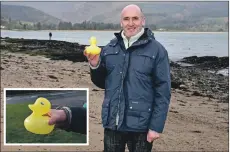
point(35, 116)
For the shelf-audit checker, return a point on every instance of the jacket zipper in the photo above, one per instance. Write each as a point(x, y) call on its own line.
point(122, 76)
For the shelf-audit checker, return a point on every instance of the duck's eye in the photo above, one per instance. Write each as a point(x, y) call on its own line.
point(42, 103)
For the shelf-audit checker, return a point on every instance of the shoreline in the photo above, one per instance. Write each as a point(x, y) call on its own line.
point(20, 40)
point(197, 79)
point(216, 32)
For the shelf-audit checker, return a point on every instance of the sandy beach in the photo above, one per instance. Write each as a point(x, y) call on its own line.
point(194, 123)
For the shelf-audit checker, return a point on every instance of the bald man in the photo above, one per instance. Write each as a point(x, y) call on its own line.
point(134, 71)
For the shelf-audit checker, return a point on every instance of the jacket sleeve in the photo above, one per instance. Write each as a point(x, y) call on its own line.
point(162, 89)
point(78, 120)
point(98, 75)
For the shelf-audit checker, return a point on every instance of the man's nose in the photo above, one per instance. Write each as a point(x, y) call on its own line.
point(130, 23)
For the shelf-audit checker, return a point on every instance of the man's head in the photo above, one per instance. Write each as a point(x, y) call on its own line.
point(132, 20)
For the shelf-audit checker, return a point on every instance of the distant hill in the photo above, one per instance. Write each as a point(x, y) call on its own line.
point(110, 11)
point(26, 14)
point(169, 15)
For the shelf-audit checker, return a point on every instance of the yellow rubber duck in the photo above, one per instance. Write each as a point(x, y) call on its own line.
point(37, 123)
point(93, 48)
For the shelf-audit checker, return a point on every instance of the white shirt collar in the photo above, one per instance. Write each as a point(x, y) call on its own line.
point(132, 39)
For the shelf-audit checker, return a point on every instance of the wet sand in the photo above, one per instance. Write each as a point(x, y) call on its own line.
point(194, 123)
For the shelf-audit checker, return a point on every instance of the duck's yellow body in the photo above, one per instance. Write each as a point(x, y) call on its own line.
point(36, 122)
point(93, 48)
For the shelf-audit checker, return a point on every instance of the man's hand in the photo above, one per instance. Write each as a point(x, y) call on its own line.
point(152, 135)
point(93, 59)
point(56, 116)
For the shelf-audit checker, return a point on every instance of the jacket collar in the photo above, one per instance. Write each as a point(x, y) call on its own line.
point(147, 36)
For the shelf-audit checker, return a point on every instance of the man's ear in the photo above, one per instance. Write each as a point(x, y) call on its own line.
point(143, 21)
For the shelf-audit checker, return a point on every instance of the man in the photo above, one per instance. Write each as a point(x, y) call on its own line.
point(50, 35)
point(134, 71)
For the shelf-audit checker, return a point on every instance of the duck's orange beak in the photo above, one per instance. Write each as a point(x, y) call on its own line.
point(47, 114)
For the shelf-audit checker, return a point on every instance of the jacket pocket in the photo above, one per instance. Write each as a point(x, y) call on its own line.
point(111, 59)
point(143, 63)
point(105, 111)
point(138, 115)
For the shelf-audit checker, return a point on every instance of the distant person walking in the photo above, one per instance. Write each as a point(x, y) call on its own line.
point(50, 35)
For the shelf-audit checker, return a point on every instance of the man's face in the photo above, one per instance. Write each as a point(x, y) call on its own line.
point(132, 22)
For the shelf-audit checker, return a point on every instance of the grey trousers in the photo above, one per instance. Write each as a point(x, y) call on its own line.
point(115, 141)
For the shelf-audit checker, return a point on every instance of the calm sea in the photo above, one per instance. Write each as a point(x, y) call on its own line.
point(178, 44)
